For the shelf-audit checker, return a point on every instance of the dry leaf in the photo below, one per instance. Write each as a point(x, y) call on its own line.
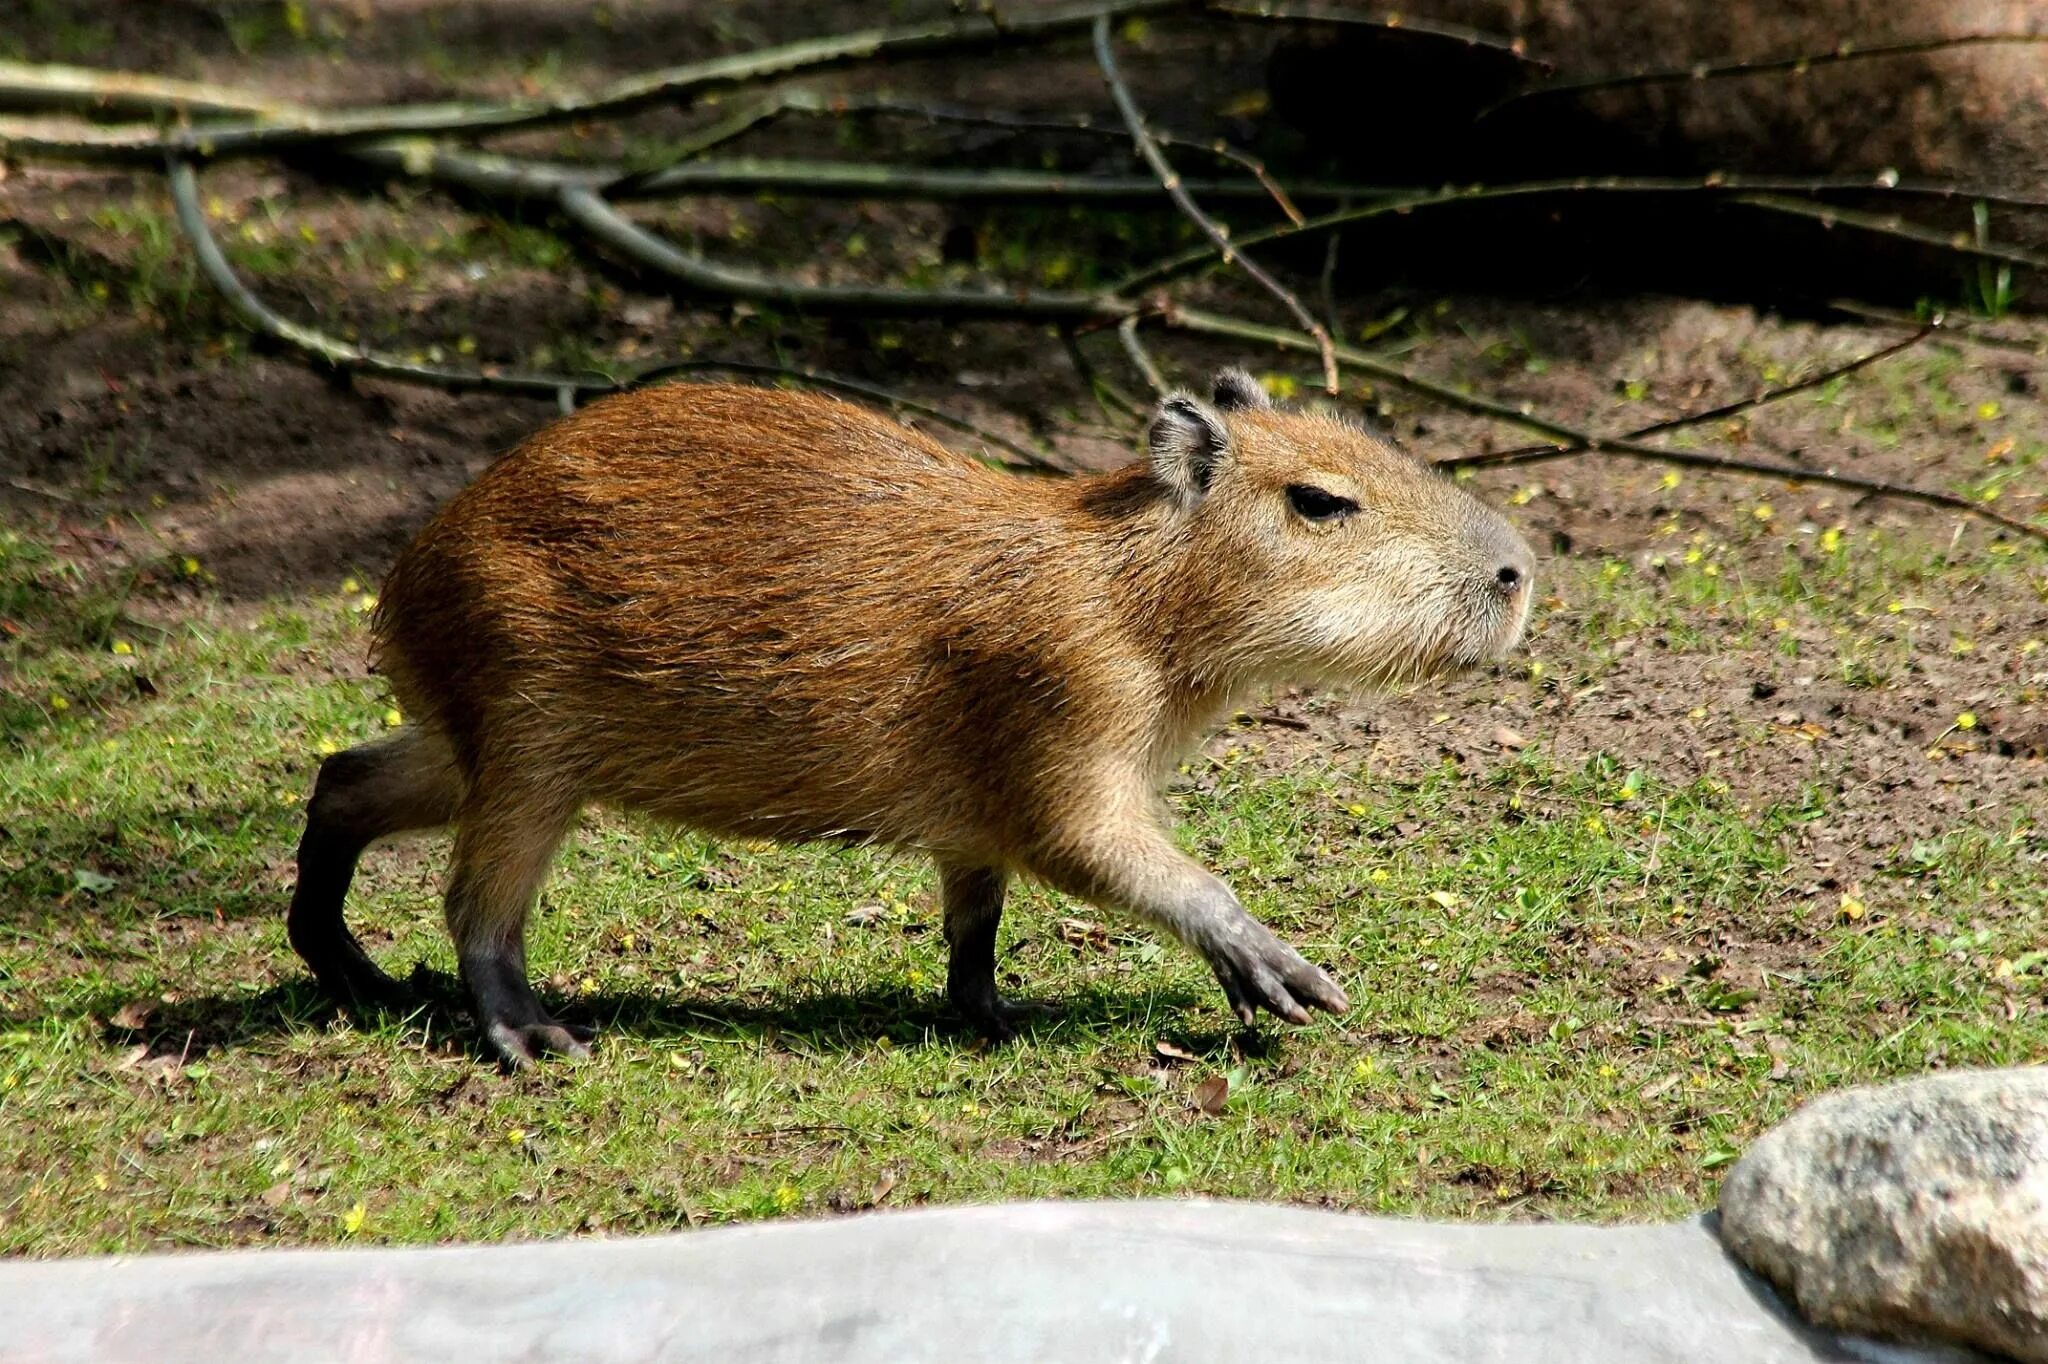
point(1173, 1052)
point(1656, 1087)
point(133, 1057)
point(1507, 738)
point(134, 1014)
point(275, 1195)
point(883, 1186)
point(1082, 933)
point(1212, 1094)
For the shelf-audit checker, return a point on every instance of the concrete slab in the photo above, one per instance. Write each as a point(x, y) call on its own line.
point(1017, 1283)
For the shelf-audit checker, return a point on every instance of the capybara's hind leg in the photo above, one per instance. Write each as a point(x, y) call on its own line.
point(505, 839)
point(972, 898)
point(361, 795)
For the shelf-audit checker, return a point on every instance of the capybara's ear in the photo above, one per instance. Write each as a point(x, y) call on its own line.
point(1233, 390)
point(1188, 443)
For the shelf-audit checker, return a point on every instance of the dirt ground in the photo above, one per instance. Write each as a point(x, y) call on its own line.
point(1880, 662)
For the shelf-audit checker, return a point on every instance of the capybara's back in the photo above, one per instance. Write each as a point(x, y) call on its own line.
point(768, 614)
point(777, 614)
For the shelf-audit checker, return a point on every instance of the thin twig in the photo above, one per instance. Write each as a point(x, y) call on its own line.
point(1329, 284)
point(1536, 454)
point(1107, 395)
point(1966, 331)
point(1141, 359)
point(1393, 22)
point(1027, 460)
point(1762, 192)
point(1079, 124)
point(1211, 324)
point(1717, 70)
point(1892, 225)
point(1127, 105)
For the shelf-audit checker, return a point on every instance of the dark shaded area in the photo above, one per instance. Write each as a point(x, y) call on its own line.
point(1392, 109)
point(833, 1020)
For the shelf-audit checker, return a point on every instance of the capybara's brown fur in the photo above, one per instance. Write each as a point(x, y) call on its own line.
point(771, 614)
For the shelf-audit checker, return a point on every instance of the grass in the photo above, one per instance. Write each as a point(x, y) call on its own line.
point(1580, 986)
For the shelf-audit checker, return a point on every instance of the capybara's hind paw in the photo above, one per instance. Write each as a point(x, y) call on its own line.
point(520, 1045)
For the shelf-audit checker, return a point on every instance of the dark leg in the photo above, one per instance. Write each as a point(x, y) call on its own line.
point(973, 902)
point(503, 846)
point(360, 796)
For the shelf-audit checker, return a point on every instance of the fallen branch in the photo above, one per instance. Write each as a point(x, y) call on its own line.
point(1127, 105)
point(880, 181)
point(607, 226)
point(260, 317)
point(347, 357)
point(301, 128)
point(1585, 442)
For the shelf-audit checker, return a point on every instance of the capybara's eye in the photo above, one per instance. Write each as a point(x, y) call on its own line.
point(1314, 504)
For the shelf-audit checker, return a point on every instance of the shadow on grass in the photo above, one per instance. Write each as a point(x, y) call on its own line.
point(822, 1021)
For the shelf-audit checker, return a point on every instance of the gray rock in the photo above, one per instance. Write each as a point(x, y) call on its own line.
point(1914, 1211)
point(1079, 1283)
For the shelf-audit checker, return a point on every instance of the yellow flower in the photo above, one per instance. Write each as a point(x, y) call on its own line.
point(1669, 481)
point(393, 718)
point(59, 703)
point(123, 647)
point(1831, 540)
point(1763, 511)
point(787, 1198)
point(190, 566)
point(1851, 908)
point(352, 1220)
point(350, 586)
point(1967, 720)
point(515, 1135)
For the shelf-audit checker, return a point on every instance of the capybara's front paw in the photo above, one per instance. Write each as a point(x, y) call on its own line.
point(1259, 971)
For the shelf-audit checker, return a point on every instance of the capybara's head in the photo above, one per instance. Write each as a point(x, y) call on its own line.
point(1321, 553)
